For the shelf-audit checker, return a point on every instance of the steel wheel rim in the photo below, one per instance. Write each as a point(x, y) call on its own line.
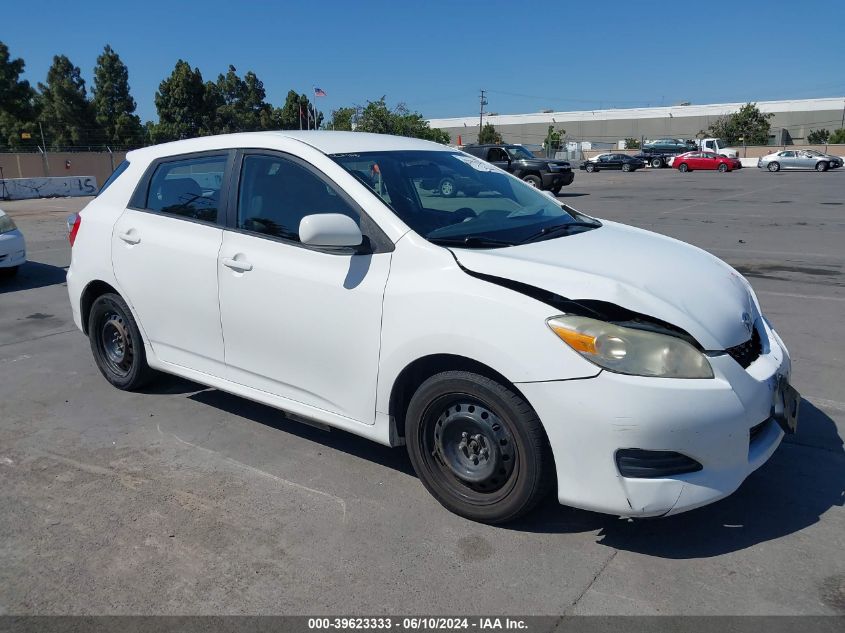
point(116, 344)
point(457, 430)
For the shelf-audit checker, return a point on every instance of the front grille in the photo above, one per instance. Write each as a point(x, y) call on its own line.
point(746, 353)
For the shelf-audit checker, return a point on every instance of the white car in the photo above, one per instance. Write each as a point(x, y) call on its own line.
point(512, 343)
point(12, 246)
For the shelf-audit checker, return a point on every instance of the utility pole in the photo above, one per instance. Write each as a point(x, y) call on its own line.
point(44, 151)
point(483, 103)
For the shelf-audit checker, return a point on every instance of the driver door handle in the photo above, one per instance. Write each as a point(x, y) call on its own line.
point(129, 238)
point(239, 265)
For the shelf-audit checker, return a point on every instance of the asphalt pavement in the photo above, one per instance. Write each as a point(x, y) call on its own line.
point(187, 500)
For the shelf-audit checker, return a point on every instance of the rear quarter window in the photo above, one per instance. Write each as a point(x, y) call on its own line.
point(114, 176)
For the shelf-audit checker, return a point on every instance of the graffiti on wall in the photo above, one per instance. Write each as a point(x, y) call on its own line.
point(71, 186)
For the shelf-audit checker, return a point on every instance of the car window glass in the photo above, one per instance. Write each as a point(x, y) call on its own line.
point(498, 154)
point(788, 154)
point(189, 188)
point(114, 175)
point(276, 193)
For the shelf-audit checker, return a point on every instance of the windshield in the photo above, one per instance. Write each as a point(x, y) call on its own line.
point(517, 151)
point(451, 198)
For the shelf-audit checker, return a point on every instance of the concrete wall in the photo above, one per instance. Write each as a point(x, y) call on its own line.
point(70, 186)
point(98, 165)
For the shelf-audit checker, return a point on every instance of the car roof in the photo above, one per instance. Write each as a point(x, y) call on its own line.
point(324, 141)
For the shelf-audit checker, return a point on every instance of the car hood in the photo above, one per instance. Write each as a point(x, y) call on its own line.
point(638, 270)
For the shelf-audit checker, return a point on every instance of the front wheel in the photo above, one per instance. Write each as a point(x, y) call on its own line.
point(478, 447)
point(626, 167)
point(723, 168)
point(117, 344)
point(773, 167)
point(683, 168)
point(590, 168)
point(534, 181)
point(447, 188)
point(657, 163)
point(821, 166)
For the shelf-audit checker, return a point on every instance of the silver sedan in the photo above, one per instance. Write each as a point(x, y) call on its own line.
point(799, 159)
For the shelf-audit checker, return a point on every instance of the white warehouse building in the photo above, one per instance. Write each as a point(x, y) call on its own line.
point(793, 120)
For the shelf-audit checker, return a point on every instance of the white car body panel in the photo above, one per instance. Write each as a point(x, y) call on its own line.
point(325, 337)
point(12, 247)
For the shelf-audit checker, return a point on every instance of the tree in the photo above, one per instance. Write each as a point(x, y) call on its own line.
point(837, 137)
point(632, 143)
point(114, 107)
point(489, 134)
point(377, 117)
point(240, 103)
point(748, 125)
point(17, 103)
point(297, 113)
point(185, 105)
point(65, 110)
point(552, 142)
point(818, 137)
point(342, 119)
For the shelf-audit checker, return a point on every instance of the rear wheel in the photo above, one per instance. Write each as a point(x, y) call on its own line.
point(723, 168)
point(534, 181)
point(821, 166)
point(117, 344)
point(657, 163)
point(447, 188)
point(626, 167)
point(683, 167)
point(590, 168)
point(774, 166)
point(478, 447)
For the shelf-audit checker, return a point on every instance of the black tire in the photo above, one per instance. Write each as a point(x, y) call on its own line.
point(117, 344)
point(773, 166)
point(448, 188)
point(534, 181)
point(8, 273)
point(456, 417)
point(723, 168)
point(626, 167)
point(822, 166)
point(683, 168)
point(657, 163)
point(590, 168)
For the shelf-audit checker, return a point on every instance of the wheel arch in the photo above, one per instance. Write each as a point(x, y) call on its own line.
point(418, 371)
point(93, 290)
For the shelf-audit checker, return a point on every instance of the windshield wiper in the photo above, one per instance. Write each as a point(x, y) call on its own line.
point(549, 231)
point(472, 241)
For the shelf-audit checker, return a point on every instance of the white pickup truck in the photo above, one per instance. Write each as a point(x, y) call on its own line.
point(718, 146)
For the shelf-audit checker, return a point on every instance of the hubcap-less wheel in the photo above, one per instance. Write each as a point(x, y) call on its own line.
point(117, 344)
point(473, 445)
point(774, 166)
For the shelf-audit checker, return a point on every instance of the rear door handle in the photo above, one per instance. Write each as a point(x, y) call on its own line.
point(129, 238)
point(239, 265)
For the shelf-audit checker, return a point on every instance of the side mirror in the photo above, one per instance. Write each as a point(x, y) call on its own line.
point(329, 229)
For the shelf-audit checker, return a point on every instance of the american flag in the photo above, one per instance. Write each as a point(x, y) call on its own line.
point(319, 92)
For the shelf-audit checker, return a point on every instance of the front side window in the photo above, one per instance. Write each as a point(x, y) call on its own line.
point(517, 151)
point(483, 206)
point(189, 188)
point(276, 193)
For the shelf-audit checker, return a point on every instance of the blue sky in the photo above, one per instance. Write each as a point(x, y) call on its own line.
point(435, 55)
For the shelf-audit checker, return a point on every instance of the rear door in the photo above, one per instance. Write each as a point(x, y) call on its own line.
point(787, 160)
point(164, 253)
point(300, 322)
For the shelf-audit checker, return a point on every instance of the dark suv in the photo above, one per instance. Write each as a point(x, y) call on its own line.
point(543, 173)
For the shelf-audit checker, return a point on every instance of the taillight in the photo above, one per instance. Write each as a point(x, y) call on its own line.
point(74, 221)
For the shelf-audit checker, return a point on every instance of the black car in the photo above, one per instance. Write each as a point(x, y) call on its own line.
point(613, 161)
point(444, 182)
point(543, 173)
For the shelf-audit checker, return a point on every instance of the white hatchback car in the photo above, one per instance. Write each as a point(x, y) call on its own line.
point(12, 246)
point(511, 342)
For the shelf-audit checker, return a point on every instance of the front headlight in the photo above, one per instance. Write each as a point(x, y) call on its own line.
point(6, 224)
point(630, 351)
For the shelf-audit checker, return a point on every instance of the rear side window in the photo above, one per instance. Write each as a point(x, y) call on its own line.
point(119, 170)
point(189, 188)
